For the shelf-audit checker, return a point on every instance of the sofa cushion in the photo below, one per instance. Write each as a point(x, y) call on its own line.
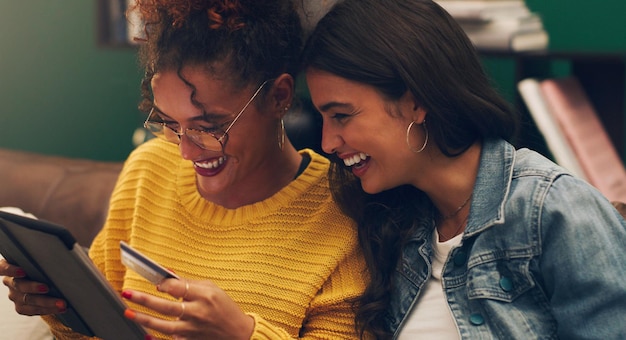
point(73, 193)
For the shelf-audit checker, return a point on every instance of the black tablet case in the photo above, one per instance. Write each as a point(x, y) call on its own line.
point(48, 253)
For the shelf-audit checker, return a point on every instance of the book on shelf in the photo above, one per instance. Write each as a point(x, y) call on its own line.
point(508, 33)
point(530, 91)
point(579, 120)
point(572, 109)
point(484, 10)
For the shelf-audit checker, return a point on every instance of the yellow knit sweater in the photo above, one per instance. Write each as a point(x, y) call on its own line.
point(291, 261)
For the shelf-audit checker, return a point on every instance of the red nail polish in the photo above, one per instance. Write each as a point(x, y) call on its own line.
point(60, 304)
point(130, 314)
point(147, 337)
point(19, 272)
point(127, 294)
point(42, 288)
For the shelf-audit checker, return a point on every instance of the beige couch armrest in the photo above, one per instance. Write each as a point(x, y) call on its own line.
point(70, 192)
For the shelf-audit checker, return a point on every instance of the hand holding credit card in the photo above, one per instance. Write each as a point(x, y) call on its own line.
point(143, 265)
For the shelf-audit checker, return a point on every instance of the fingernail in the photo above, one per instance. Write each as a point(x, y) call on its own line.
point(19, 272)
point(147, 337)
point(60, 304)
point(42, 288)
point(127, 294)
point(130, 314)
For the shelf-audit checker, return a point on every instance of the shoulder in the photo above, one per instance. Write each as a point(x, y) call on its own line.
point(317, 160)
point(532, 163)
point(154, 157)
point(316, 172)
point(150, 165)
point(154, 151)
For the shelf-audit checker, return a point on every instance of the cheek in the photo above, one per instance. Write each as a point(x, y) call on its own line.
point(255, 136)
point(388, 136)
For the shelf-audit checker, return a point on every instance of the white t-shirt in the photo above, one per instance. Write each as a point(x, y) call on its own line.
point(431, 317)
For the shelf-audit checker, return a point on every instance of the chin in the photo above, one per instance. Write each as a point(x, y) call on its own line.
point(209, 186)
point(370, 189)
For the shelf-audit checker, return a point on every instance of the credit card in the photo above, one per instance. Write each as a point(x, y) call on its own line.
point(143, 265)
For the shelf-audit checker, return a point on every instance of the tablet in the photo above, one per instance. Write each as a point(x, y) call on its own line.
point(48, 253)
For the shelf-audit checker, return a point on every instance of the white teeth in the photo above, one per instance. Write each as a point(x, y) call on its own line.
point(355, 159)
point(211, 165)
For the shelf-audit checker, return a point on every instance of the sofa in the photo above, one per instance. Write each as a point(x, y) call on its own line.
point(70, 192)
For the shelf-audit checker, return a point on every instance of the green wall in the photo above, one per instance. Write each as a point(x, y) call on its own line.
point(61, 93)
point(584, 25)
point(573, 26)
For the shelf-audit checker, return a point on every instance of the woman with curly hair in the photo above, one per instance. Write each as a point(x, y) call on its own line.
point(222, 197)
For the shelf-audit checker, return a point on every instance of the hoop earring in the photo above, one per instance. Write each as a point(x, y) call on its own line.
point(408, 132)
point(281, 135)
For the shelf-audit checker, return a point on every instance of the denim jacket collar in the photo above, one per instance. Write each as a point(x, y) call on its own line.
point(492, 186)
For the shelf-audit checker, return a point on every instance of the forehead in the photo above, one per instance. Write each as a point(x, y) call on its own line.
point(194, 79)
point(193, 91)
point(327, 89)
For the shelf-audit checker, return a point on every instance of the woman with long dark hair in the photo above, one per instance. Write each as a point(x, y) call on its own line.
point(465, 236)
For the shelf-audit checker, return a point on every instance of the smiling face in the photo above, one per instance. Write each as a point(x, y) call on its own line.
point(226, 177)
point(360, 130)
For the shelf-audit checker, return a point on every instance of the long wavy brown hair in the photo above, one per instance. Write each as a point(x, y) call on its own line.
point(398, 46)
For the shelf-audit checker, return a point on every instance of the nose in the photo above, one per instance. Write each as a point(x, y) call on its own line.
point(188, 149)
point(331, 139)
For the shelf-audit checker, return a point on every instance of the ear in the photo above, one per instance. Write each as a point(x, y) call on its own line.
point(281, 94)
point(411, 108)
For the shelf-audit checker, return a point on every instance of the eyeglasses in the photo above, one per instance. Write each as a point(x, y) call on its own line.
point(202, 138)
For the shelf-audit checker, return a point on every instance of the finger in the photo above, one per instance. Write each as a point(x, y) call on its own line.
point(27, 286)
point(169, 327)
point(163, 306)
point(178, 288)
point(36, 304)
point(39, 305)
point(7, 269)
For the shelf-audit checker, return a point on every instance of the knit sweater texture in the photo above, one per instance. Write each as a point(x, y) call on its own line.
point(291, 261)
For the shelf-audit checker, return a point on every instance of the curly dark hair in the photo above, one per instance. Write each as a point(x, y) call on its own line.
point(248, 41)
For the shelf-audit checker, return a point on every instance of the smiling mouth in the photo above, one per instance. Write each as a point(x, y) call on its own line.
point(210, 164)
point(355, 160)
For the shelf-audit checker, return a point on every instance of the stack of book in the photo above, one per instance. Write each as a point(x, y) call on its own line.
point(499, 25)
point(574, 133)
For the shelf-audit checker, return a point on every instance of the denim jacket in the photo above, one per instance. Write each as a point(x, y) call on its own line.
point(543, 256)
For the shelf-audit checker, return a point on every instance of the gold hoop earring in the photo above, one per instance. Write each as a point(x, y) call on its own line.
point(408, 132)
point(281, 135)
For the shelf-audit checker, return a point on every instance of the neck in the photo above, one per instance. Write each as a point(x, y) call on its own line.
point(449, 182)
point(451, 227)
point(449, 185)
point(269, 178)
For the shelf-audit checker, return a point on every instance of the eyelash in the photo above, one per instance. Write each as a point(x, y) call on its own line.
point(175, 126)
point(340, 116)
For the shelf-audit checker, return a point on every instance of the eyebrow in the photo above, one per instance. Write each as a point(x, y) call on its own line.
point(204, 117)
point(331, 105)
